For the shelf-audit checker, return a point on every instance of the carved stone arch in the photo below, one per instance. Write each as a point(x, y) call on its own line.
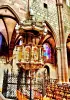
point(3, 45)
point(52, 31)
point(8, 18)
point(48, 71)
point(11, 10)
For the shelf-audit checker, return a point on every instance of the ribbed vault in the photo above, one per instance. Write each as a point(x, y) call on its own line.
point(8, 20)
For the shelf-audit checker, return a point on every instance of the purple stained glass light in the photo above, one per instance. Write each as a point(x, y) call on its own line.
point(47, 51)
point(0, 41)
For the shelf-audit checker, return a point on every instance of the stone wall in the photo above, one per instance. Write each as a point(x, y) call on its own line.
point(49, 14)
point(66, 17)
point(40, 13)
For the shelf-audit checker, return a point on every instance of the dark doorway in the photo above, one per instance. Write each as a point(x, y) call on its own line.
point(48, 71)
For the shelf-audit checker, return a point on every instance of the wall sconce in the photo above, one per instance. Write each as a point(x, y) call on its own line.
point(17, 26)
point(31, 12)
point(45, 31)
point(45, 28)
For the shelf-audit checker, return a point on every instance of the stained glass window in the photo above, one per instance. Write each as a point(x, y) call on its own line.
point(3, 45)
point(0, 41)
point(46, 52)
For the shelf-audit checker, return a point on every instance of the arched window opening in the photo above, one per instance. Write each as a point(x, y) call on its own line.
point(47, 52)
point(48, 71)
point(0, 41)
point(3, 46)
point(18, 42)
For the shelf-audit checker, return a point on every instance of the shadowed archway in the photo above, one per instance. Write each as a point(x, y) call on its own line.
point(48, 71)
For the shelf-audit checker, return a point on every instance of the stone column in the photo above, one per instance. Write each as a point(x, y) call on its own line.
point(15, 60)
point(64, 65)
point(59, 71)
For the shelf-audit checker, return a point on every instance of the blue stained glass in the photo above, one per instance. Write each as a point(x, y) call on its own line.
point(0, 41)
point(47, 51)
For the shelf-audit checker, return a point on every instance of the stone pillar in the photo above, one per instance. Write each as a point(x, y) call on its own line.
point(64, 65)
point(59, 71)
point(15, 60)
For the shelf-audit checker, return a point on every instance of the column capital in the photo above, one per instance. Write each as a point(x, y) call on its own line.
point(59, 4)
point(58, 48)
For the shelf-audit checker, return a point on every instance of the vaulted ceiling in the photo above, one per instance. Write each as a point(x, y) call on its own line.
point(8, 20)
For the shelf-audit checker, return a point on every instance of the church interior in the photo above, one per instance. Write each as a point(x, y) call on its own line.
point(35, 50)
